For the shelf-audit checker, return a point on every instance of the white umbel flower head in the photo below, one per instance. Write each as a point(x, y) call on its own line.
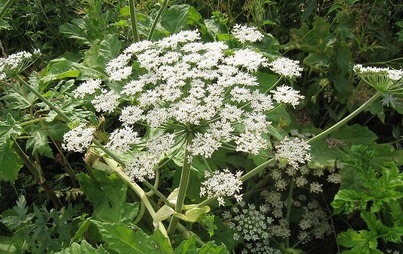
point(385, 80)
point(78, 139)
point(246, 34)
point(222, 184)
point(142, 167)
point(16, 63)
point(286, 67)
point(121, 139)
point(88, 87)
point(286, 94)
point(105, 102)
point(294, 150)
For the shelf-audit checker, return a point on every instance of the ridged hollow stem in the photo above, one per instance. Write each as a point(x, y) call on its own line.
point(43, 99)
point(5, 7)
point(288, 214)
point(183, 185)
point(133, 21)
point(154, 25)
point(346, 119)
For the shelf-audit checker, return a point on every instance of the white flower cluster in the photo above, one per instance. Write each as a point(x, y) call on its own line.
point(15, 63)
point(222, 184)
point(262, 247)
point(141, 167)
point(286, 94)
point(395, 75)
point(121, 139)
point(286, 67)
point(294, 150)
point(87, 88)
point(250, 223)
point(188, 82)
point(246, 34)
point(78, 139)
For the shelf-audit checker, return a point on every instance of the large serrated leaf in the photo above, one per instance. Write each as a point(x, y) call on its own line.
point(123, 240)
point(102, 52)
point(108, 196)
point(175, 18)
point(39, 144)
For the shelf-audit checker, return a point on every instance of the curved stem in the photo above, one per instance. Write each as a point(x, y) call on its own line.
point(133, 19)
point(347, 118)
point(154, 25)
point(183, 185)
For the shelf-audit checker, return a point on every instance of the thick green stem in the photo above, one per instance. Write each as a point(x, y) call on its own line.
point(289, 204)
point(183, 185)
point(133, 19)
point(157, 18)
point(43, 99)
point(347, 118)
point(5, 7)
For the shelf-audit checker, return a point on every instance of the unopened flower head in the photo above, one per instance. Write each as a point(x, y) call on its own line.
point(295, 150)
point(78, 139)
point(246, 34)
point(286, 94)
point(222, 184)
point(286, 67)
point(385, 80)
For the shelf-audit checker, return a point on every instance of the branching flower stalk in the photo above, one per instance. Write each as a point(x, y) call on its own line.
point(157, 18)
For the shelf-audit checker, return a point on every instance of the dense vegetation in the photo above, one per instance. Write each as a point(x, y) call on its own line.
point(201, 126)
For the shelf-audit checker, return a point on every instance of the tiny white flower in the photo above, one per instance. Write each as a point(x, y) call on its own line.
point(121, 139)
point(286, 67)
point(286, 94)
point(105, 102)
point(246, 34)
point(294, 150)
point(78, 139)
point(88, 87)
point(142, 167)
point(131, 115)
point(222, 184)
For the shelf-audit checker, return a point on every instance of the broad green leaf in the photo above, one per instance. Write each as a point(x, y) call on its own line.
point(175, 18)
point(10, 162)
point(124, 240)
point(39, 144)
point(355, 135)
point(108, 196)
point(83, 248)
point(346, 201)
point(16, 101)
point(212, 248)
point(56, 129)
point(102, 52)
